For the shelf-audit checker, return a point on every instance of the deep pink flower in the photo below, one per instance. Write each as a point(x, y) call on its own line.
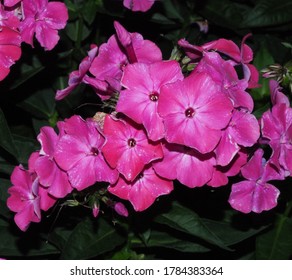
point(143, 191)
point(10, 50)
point(8, 17)
point(243, 130)
point(186, 165)
point(50, 175)
point(10, 3)
point(276, 95)
point(255, 194)
point(79, 153)
point(80, 75)
point(194, 112)
point(24, 198)
point(243, 55)
point(138, 5)
point(221, 173)
point(44, 19)
point(120, 50)
point(127, 147)
point(140, 99)
point(276, 126)
point(225, 76)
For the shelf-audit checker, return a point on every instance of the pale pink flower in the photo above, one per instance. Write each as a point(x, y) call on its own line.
point(140, 99)
point(186, 165)
point(95, 210)
point(43, 19)
point(143, 191)
point(78, 152)
point(194, 111)
point(10, 50)
point(138, 5)
point(255, 194)
point(127, 147)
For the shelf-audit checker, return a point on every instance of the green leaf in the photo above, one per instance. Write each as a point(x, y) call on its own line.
point(89, 12)
point(5, 167)
point(268, 13)
point(27, 72)
point(276, 244)
point(4, 185)
point(41, 104)
point(228, 234)
point(187, 221)
point(25, 147)
point(224, 13)
point(6, 139)
point(91, 238)
point(20, 245)
point(165, 240)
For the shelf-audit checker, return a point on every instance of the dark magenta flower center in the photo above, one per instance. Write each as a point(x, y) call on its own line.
point(154, 96)
point(190, 112)
point(94, 151)
point(131, 142)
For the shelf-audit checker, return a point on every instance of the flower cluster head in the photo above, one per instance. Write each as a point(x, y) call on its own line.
point(21, 20)
point(165, 125)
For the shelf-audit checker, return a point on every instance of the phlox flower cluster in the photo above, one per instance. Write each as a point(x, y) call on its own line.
point(166, 125)
point(21, 21)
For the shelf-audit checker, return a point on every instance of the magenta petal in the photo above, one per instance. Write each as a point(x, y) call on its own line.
point(77, 173)
point(69, 151)
point(226, 149)
point(241, 197)
point(48, 139)
point(244, 128)
point(265, 198)
point(56, 15)
point(25, 217)
point(253, 170)
point(47, 37)
point(276, 95)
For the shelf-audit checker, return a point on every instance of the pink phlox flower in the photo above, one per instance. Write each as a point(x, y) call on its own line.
point(24, 198)
point(242, 56)
point(11, 3)
point(255, 194)
point(276, 95)
point(186, 165)
point(120, 50)
point(127, 147)
point(224, 74)
point(80, 76)
point(276, 127)
point(8, 17)
point(191, 117)
point(78, 152)
point(242, 131)
point(222, 173)
point(46, 199)
point(138, 5)
point(10, 50)
point(140, 98)
point(50, 174)
point(143, 191)
point(43, 19)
